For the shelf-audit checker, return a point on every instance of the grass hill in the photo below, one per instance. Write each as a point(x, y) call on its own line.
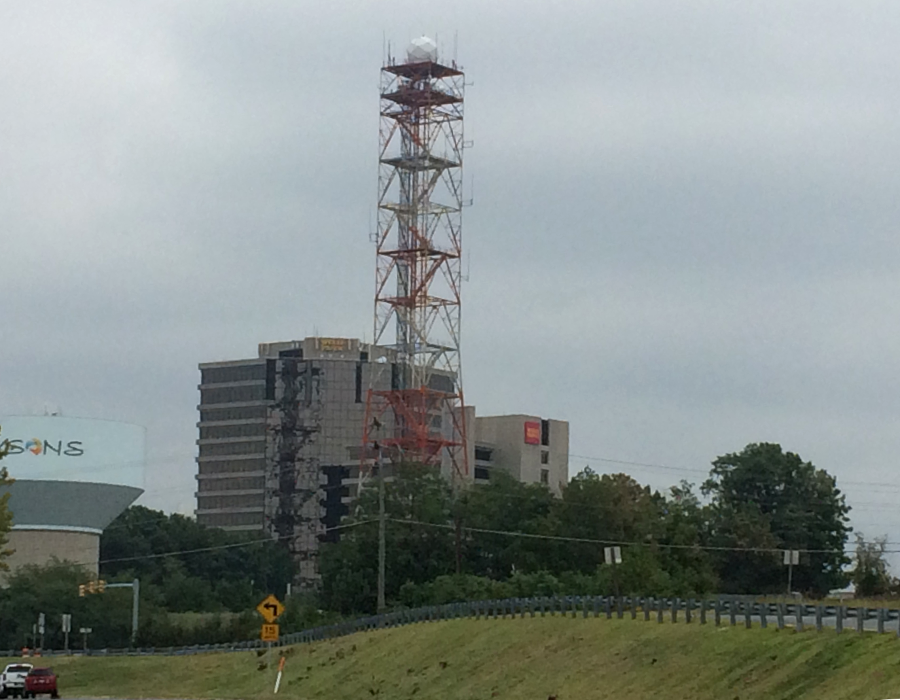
point(522, 659)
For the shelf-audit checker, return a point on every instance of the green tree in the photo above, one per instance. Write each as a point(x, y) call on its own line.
point(609, 507)
point(870, 575)
point(678, 543)
point(52, 589)
point(6, 515)
point(505, 505)
point(420, 542)
point(766, 499)
point(217, 570)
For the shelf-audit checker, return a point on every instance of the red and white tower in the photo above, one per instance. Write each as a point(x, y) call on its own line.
point(421, 418)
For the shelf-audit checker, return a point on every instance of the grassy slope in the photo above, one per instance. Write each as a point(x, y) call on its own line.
point(522, 659)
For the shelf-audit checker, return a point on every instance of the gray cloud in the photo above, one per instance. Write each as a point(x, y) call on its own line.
point(682, 238)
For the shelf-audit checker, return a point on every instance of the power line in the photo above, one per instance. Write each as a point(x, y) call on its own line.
point(215, 548)
point(623, 543)
point(696, 470)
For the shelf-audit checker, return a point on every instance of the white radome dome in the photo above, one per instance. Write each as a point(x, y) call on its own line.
point(421, 50)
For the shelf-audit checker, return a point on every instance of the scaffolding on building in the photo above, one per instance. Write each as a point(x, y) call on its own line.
point(294, 481)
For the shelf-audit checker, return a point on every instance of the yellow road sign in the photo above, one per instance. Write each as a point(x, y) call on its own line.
point(271, 609)
point(269, 633)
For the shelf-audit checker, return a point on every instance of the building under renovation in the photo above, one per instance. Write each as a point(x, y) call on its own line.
point(280, 441)
point(278, 435)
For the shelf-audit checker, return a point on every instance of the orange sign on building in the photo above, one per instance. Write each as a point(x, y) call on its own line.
point(532, 433)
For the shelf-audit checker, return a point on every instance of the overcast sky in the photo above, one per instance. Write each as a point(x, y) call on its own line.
point(683, 238)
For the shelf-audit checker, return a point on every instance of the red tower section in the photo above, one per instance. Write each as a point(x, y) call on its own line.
point(421, 418)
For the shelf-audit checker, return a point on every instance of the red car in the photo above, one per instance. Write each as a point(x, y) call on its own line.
point(40, 681)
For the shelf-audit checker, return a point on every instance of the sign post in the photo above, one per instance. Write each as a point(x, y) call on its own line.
point(271, 609)
point(85, 631)
point(280, 671)
point(613, 557)
point(66, 628)
point(791, 559)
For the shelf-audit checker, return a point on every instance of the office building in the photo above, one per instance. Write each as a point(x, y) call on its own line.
point(280, 440)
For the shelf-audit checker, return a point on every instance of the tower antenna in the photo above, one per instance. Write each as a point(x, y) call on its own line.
point(422, 417)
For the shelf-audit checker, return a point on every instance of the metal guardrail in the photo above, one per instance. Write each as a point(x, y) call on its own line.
point(733, 611)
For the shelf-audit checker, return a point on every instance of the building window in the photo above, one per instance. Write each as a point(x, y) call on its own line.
point(359, 382)
point(483, 454)
point(231, 519)
point(245, 413)
point(233, 394)
point(545, 477)
point(482, 474)
point(213, 432)
point(235, 373)
point(545, 433)
point(219, 449)
point(545, 457)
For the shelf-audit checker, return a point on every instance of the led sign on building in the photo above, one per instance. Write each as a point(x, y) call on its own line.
point(532, 433)
point(333, 344)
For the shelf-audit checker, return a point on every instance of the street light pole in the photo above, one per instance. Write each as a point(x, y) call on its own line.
point(135, 587)
point(135, 598)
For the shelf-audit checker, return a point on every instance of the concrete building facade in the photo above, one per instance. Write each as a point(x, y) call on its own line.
point(529, 448)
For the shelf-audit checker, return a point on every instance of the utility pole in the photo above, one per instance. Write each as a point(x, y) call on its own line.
point(613, 557)
point(459, 509)
point(458, 544)
point(381, 532)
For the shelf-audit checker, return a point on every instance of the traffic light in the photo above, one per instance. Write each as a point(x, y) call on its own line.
point(98, 586)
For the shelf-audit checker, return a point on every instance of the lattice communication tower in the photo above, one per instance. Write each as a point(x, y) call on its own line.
point(421, 418)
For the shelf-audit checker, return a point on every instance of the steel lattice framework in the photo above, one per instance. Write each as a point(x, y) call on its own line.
point(419, 263)
point(293, 471)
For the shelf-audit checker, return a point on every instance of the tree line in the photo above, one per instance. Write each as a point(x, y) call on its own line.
point(726, 537)
point(501, 539)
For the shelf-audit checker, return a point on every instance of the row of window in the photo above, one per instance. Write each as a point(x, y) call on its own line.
point(209, 415)
point(233, 394)
point(233, 448)
point(233, 466)
point(230, 519)
point(217, 502)
point(239, 484)
point(212, 432)
point(237, 373)
point(484, 474)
